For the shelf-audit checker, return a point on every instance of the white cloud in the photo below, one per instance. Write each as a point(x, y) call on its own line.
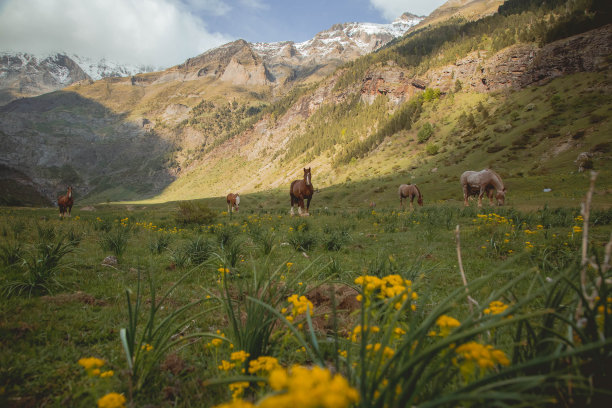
point(154, 32)
point(211, 7)
point(392, 9)
point(255, 4)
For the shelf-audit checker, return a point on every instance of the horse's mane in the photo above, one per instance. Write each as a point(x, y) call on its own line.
point(499, 179)
point(418, 191)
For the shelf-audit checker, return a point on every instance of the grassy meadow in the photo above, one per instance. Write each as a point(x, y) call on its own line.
point(257, 307)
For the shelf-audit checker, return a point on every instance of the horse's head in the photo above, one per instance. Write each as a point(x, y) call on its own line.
point(237, 202)
point(307, 176)
point(501, 197)
point(420, 201)
point(69, 193)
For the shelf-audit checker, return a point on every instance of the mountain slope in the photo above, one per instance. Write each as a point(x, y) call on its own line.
point(447, 96)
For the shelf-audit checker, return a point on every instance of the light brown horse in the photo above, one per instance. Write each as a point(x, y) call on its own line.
point(301, 190)
point(477, 183)
point(410, 191)
point(65, 203)
point(233, 202)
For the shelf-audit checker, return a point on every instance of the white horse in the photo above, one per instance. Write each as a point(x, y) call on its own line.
point(478, 182)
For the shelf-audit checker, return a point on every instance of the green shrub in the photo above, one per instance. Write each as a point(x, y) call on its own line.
point(432, 149)
point(425, 133)
point(191, 212)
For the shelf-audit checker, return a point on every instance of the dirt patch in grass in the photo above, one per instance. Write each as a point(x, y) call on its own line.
point(346, 304)
point(79, 297)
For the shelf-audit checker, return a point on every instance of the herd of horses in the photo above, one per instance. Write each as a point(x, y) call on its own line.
point(474, 183)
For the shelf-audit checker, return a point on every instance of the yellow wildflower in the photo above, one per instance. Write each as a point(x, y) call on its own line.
point(112, 400)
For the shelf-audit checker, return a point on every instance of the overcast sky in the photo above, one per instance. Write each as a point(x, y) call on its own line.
point(163, 33)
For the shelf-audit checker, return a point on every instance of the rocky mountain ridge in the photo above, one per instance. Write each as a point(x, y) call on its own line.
point(26, 75)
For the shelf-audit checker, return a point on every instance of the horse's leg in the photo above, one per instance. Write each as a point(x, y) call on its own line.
point(300, 207)
point(308, 206)
point(465, 195)
point(292, 203)
point(480, 194)
point(411, 201)
point(401, 203)
point(70, 211)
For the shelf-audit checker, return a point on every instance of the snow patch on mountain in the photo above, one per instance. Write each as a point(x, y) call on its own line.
point(103, 68)
point(360, 37)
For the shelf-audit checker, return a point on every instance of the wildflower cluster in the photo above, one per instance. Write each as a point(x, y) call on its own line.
point(236, 359)
point(300, 305)
point(152, 227)
point(387, 352)
point(492, 218)
point(496, 307)
point(112, 400)
point(446, 325)
point(263, 364)
point(603, 310)
point(124, 222)
point(473, 355)
point(356, 333)
point(388, 287)
point(146, 347)
point(93, 367)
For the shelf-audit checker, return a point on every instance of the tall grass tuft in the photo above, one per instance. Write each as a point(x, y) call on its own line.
point(10, 252)
point(39, 268)
point(159, 243)
point(198, 250)
point(115, 240)
point(147, 341)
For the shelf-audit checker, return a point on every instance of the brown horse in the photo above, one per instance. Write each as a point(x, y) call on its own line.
point(300, 190)
point(233, 202)
point(65, 203)
point(410, 191)
point(477, 183)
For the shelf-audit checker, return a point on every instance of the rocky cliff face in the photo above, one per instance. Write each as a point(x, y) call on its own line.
point(514, 67)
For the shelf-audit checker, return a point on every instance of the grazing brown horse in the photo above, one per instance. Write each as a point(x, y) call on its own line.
point(233, 202)
point(65, 203)
point(410, 191)
point(477, 183)
point(300, 190)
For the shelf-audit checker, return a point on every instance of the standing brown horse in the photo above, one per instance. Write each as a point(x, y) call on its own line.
point(300, 190)
point(410, 191)
point(477, 183)
point(65, 203)
point(233, 202)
